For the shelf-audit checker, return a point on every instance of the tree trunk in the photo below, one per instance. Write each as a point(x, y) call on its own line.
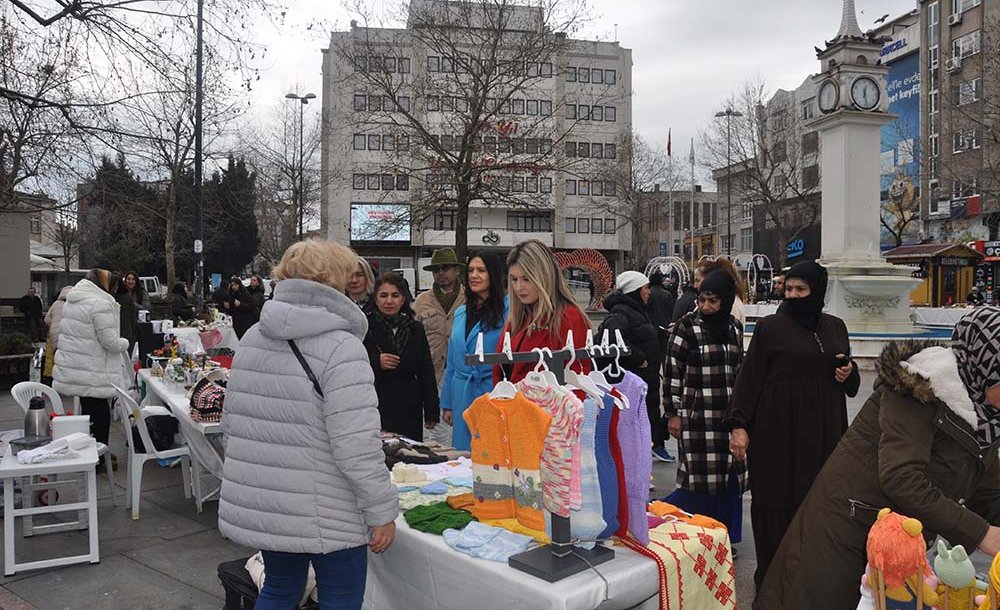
point(168, 246)
point(462, 222)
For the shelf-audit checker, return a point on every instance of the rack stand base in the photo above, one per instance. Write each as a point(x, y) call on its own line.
point(541, 563)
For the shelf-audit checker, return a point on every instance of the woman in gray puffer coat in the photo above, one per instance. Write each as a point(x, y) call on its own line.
point(305, 479)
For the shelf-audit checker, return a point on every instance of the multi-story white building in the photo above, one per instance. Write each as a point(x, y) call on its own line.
point(559, 139)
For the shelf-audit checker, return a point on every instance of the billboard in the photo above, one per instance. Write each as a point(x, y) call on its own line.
point(380, 223)
point(900, 160)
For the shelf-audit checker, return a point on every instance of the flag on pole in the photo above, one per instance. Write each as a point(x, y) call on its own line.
point(670, 147)
point(691, 156)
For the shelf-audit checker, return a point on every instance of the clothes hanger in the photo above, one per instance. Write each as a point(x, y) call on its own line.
point(581, 382)
point(504, 389)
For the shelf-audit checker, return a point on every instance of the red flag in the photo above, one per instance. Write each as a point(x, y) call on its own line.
point(669, 143)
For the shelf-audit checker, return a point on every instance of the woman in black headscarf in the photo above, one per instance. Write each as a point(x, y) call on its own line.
point(790, 400)
point(703, 357)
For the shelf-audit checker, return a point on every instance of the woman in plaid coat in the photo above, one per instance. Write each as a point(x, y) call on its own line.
point(703, 357)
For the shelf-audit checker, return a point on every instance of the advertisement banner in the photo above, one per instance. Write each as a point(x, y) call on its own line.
point(900, 160)
point(380, 223)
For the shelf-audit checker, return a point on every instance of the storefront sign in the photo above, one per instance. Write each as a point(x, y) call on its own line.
point(992, 251)
point(955, 261)
point(795, 248)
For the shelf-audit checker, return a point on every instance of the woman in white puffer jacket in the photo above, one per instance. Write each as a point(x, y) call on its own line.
point(89, 358)
point(305, 478)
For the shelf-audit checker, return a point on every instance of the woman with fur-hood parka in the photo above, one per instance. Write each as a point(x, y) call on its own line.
point(924, 444)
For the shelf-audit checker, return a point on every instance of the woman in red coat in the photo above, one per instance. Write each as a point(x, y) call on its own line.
point(542, 308)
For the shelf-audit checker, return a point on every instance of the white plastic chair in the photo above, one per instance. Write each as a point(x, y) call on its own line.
point(24, 391)
point(127, 406)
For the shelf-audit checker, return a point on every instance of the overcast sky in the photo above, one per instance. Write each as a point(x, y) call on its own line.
point(688, 55)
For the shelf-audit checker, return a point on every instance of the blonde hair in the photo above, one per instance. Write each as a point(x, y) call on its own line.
point(554, 295)
point(318, 260)
point(369, 275)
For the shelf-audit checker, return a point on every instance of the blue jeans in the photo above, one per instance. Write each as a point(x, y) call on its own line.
point(340, 579)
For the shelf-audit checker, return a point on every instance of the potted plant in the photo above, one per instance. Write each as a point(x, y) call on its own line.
point(16, 351)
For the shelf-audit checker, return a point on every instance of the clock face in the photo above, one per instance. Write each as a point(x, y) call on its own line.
point(865, 92)
point(829, 95)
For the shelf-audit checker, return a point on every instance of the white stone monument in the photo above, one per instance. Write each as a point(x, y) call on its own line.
point(870, 295)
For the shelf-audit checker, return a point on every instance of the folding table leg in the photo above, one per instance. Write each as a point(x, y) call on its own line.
point(95, 555)
point(8, 527)
point(81, 515)
point(28, 501)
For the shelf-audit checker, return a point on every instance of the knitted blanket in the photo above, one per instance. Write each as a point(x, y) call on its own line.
point(695, 566)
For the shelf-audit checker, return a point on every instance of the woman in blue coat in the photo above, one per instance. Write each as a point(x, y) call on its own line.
point(484, 312)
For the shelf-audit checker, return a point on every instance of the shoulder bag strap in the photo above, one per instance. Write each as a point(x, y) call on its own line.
point(305, 367)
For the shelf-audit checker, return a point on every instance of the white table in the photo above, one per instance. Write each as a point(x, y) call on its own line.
point(421, 572)
point(203, 439)
point(11, 470)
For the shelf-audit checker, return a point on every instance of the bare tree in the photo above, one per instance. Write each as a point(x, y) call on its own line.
point(65, 234)
point(779, 163)
point(483, 122)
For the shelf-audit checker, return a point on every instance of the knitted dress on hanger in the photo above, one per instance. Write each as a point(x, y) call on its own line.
point(634, 438)
point(616, 455)
point(606, 471)
point(587, 523)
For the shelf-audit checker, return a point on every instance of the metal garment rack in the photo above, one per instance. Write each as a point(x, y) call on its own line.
point(561, 558)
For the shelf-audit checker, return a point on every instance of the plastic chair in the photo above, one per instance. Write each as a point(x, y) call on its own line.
point(24, 391)
point(127, 406)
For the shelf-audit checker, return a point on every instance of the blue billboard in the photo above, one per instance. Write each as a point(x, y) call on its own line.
point(900, 160)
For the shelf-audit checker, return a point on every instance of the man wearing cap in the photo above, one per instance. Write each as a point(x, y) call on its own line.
point(435, 308)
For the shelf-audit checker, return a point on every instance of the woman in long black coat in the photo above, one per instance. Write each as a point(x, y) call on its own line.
point(401, 359)
point(789, 405)
point(241, 307)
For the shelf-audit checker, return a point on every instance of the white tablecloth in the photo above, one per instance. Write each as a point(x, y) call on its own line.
point(939, 316)
point(421, 572)
point(199, 436)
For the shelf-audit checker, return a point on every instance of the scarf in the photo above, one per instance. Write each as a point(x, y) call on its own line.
point(807, 311)
point(976, 343)
point(396, 328)
point(446, 299)
point(719, 284)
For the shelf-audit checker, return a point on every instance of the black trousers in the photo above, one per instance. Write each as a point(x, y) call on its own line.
point(99, 411)
point(657, 424)
point(769, 527)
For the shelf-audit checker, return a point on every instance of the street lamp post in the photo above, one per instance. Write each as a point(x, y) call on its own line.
point(729, 113)
point(302, 158)
point(199, 228)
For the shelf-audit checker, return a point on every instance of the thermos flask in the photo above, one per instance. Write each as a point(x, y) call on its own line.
point(36, 420)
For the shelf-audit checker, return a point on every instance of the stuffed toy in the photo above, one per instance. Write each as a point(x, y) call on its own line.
point(898, 572)
point(991, 600)
point(957, 576)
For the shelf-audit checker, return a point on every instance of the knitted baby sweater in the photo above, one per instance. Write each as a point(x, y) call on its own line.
point(606, 473)
point(633, 437)
point(561, 440)
point(507, 440)
point(587, 522)
point(616, 454)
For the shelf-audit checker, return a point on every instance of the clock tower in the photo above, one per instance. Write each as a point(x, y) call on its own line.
point(869, 294)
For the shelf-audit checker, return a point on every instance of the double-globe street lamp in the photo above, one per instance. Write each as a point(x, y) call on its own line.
point(302, 160)
point(729, 113)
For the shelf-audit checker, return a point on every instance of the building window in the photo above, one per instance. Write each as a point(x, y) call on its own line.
point(546, 70)
point(967, 45)
point(374, 142)
point(610, 151)
point(810, 143)
point(963, 188)
point(596, 225)
point(570, 149)
point(807, 109)
point(746, 240)
point(610, 189)
point(359, 182)
point(960, 6)
point(388, 182)
point(583, 225)
point(447, 64)
point(531, 107)
point(810, 177)
point(597, 188)
point(779, 153)
point(545, 107)
point(374, 181)
point(583, 187)
point(706, 214)
point(935, 145)
point(570, 76)
point(610, 114)
point(933, 23)
point(359, 141)
point(571, 187)
point(360, 102)
point(933, 101)
point(388, 142)
point(610, 226)
point(570, 224)
point(360, 63)
point(966, 139)
point(433, 64)
point(747, 211)
point(597, 150)
point(583, 75)
point(583, 150)
point(597, 76)
point(583, 112)
point(375, 103)
point(389, 64)
point(403, 102)
point(402, 182)
point(597, 113)
point(967, 92)
point(545, 185)
point(517, 184)
point(529, 222)
point(531, 184)
point(610, 77)
point(571, 111)
point(443, 220)
point(404, 65)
